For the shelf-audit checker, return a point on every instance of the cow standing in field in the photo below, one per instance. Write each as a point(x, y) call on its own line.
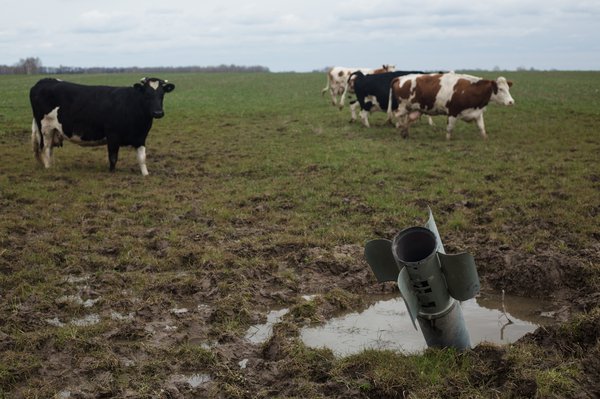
point(338, 83)
point(373, 92)
point(456, 95)
point(95, 115)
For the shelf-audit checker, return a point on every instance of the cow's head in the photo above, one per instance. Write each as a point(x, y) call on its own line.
point(501, 93)
point(389, 67)
point(153, 90)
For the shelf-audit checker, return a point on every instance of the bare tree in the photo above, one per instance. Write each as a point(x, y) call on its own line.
point(29, 65)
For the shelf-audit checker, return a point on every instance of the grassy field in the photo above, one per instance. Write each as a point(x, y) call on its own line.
point(261, 192)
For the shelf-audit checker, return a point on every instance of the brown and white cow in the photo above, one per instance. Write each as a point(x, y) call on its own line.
point(338, 84)
point(456, 95)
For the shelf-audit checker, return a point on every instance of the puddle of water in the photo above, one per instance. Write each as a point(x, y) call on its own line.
point(121, 317)
point(194, 380)
point(127, 362)
point(88, 320)
point(55, 322)
point(383, 325)
point(387, 325)
point(198, 379)
point(262, 332)
point(76, 299)
point(210, 345)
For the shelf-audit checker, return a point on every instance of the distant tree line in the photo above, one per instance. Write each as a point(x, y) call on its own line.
point(33, 65)
point(25, 66)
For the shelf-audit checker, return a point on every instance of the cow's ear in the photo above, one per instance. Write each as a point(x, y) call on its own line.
point(509, 83)
point(138, 86)
point(168, 87)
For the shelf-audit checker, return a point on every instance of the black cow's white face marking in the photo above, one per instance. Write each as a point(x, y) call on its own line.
point(154, 90)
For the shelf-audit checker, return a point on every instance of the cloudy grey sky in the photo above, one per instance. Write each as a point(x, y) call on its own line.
point(305, 34)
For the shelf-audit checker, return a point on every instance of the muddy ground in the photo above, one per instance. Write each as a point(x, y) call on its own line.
point(200, 300)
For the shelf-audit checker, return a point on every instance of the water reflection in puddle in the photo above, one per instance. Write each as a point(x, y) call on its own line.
point(198, 379)
point(386, 325)
point(260, 333)
point(194, 380)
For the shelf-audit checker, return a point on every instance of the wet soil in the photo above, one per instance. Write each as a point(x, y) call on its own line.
point(131, 296)
point(203, 300)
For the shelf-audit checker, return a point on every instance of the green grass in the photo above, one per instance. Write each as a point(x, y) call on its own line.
point(255, 182)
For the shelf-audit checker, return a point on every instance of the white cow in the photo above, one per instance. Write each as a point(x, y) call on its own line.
point(338, 85)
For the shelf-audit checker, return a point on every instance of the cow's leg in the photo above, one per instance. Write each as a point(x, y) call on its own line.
point(430, 120)
point(450, 127)
point(113, 154)
point(46, 154)
point(48, 132)
point(141, 157)
point(343, 98)
point(399, 116)
point(481, 126)
point(36, 141)
point(333, 93)
point(50, 126)
point(353, 106)
point(402, 122)
point(388, 120)
point(391, 112)
point(364, 116)
point(404, 126)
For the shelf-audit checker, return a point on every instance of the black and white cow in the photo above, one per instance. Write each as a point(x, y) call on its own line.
point(340, 83)
point(95, 115)
point(373, 93)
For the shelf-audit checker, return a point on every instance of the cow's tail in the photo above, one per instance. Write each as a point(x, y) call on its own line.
point(327, 84)
point(37, 141)
point(389, 107)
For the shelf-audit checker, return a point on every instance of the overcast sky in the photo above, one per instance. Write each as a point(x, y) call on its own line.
point(304, 35)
